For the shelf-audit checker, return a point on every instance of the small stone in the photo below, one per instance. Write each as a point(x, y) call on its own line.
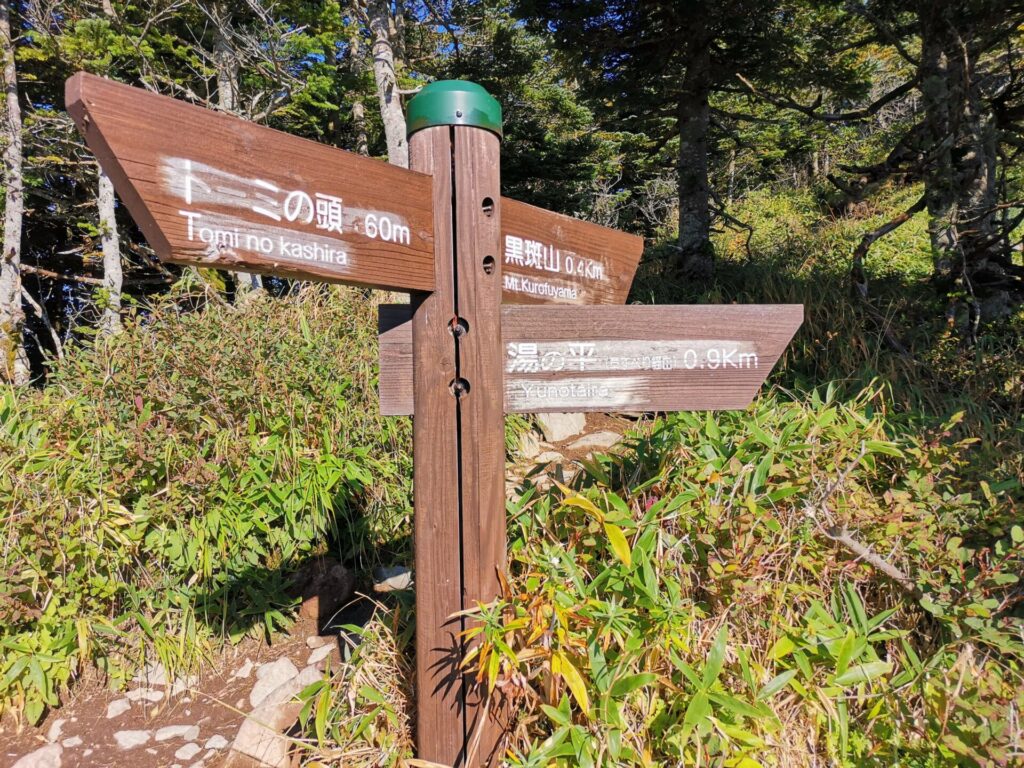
point(53, 733)
point(131, 739)
point(118, 707)
point(596, 440)
point(260, 736)
point(87, 752)
point(560, 426)
point(243, 671)
point(151, 751)
point(550, 456)
point(290, 688)
point(144, 694)
point(216, 742)
point(186, 732)
point(316, 641)
point(529, 444)
point(154, 674)
point(319, 654)
point(73, 741)
point(46, 757)
point(188, 751)
point(392, 579)
point(269, 677)
point(182, 684)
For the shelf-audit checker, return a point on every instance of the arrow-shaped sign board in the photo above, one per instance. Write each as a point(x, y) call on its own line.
point(628, 358)
point(209, 189)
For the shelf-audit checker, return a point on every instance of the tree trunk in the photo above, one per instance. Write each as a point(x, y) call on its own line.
point(386, 77)
point(226, 61)
point(14, 366)
point(358, 109)
point(110, 323)
point(961, 186)
point(696, 257)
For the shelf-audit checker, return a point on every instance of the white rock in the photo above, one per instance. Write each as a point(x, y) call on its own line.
point(132, 739)
point(118, 707)
point(316, 641)
point(154, 674)
point(290, 688)
point(243, 671)
point(87, 753)
point(144, 694)
point(271, 676)
point(188, 751)
point(550, 456)
point(391, 579)
point(182, 684)
point(319, 654)
point(74, 741)
point(46, 757)
point(260, 736)
point(596, 440)
point(53, 733)
point(186, 732)
point(560, 426)
point(529, 444)
point(216, 742)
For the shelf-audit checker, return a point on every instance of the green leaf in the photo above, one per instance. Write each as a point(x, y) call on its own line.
point(630, 683)
point(560, 665)
point(776, 684)
point(1017, 534)
point(617, 540)
point(696, 710)
point(716, 657)
point(862, 673)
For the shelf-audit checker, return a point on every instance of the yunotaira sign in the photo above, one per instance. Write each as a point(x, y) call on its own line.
point(211, 190)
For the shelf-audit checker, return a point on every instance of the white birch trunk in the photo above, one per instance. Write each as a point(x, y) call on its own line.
point(386, 78)
point(14, 366)
point(110, 322)
point(226, 61)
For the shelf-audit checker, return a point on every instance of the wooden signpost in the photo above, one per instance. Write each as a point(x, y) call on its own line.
point(211, 190)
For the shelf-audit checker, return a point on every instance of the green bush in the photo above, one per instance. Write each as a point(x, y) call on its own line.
point(162, 487)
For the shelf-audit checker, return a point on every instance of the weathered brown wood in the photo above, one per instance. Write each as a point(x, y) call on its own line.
point(656, 358)
point(440, 708)
point(548, 258)
point(212, 190)
point(150, 145)
point(478, 213)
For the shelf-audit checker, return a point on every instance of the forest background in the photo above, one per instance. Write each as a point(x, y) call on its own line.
point(174, 442)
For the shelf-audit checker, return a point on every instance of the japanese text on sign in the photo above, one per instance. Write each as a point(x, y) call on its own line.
point(611, 356)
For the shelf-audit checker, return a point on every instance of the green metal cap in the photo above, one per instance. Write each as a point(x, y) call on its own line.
point(453, 102)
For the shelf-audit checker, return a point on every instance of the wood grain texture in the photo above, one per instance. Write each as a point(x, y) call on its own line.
point(440, 710)
point(184, 172)
point(149, 144)
point(572, 261)
point(656, 358)
point(478, 213)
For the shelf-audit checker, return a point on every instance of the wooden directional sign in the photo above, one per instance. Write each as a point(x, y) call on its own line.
point(631, 358)
point(548, 258)
point(212, 190)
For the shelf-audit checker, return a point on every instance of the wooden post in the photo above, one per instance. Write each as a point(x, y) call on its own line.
point(458, 432)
